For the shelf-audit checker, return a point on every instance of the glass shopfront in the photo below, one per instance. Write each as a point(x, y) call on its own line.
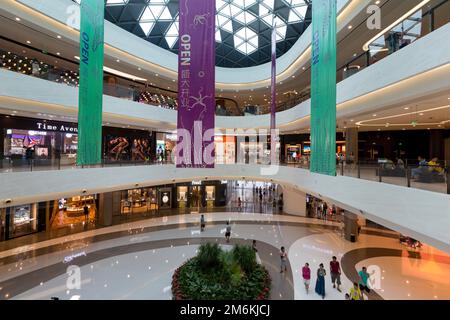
point(141, 200)
point(225, 148)
point(39, 139)
point(23, 220)
point(293, 152)
point(70, 211)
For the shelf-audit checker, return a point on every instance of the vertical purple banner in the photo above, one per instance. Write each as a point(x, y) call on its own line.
point(273, 146)
point(196, 84)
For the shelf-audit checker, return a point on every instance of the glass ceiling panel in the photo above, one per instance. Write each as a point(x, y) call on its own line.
point(237, 29)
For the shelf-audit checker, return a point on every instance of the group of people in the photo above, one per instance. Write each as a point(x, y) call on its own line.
point(335, 272)
point(425, 167)
point(355, 293)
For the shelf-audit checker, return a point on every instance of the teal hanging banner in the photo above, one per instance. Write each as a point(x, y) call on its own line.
point(91, 82)
point(323, 87)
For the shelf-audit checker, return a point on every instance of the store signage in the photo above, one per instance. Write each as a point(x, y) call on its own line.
point(197, 183)
point(196, 84)
point(73, 256)
point(323, 87)
point(46, 126)
point(91, 82)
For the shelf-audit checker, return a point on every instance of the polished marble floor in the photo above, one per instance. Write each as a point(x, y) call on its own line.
point(136, 260)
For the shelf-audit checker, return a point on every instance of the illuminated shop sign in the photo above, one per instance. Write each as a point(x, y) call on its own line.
point(46, 126)
point(73, 256)
point(196, 183)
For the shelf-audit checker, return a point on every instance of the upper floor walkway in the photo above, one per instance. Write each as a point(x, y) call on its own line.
point(420, 214)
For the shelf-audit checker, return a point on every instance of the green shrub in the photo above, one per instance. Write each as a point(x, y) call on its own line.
point(216, 274)
point(208, 257)
point(245, 256)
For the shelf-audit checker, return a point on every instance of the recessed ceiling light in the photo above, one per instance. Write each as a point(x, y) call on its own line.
point(350, 26)
point(377, 2)
point(428, 129)
point(28, 41)
point(117, 60)
point(173, 80)
point(58, 53)
point(374, 115)
point(58, 36)
point(156, 74)
point(406, 108)
point(352, 120)
point(403, 129)
point(421, 114)
point(379, 129)
point(139, 69)
point(17, 19)
point(355, 54)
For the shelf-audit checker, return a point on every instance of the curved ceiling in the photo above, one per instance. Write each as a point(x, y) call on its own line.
point(243, 27)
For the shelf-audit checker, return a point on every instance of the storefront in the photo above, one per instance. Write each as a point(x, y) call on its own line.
point(128, 144)
point(165, 146)
point(22, 220)
point(70, 211)
point(201, 194)
point(24, 138)
point(293, 152)
point(141, 200)
point(225, 149)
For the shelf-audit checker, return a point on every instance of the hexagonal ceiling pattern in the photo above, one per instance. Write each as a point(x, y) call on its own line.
point(243, 27)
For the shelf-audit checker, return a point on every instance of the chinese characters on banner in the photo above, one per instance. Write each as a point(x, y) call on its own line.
point(196, 84)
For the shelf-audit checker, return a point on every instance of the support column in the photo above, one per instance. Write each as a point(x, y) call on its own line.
point(294, 202)
point(350, 226)
point(109, 204)
point(351, 144)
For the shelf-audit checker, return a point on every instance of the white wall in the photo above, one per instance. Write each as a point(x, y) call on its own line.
point(294, 202)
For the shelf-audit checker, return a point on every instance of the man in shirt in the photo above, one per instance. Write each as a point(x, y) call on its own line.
point(364, 280)
point(335, 271)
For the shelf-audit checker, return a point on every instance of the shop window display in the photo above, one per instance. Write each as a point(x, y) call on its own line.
point(23, 220)
point(138, 201)
point(71, 211)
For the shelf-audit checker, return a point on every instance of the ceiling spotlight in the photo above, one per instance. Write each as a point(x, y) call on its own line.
point(350, 26)
point(58, 36)
point(117, 60)
point(58, 53)
point(28, 41)
point(374, 115)
point(421, 114)
point(17, 19)
point(406, 108)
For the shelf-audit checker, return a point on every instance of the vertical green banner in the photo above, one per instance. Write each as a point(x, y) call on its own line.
point(91, 82)
point(323, 87)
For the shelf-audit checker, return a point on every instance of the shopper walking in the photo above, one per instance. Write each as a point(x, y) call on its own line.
point(320, 282)
point(283, 256)
point(335, 272)
point(202, 223)
point(355, 292)
point(86, 213)
point(228, 231)
point(364, 277)
point(254, 246)
point(239, 204)
point(306, 273)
